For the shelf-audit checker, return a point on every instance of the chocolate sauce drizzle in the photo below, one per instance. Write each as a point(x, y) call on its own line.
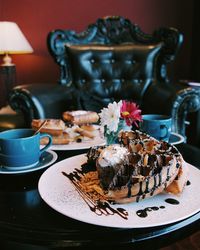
point(172, 201)
point(188, 183)
point(157, 183)
point(144, 212)
point(98, 207)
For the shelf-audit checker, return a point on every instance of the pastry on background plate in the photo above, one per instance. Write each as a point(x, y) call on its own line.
point(54, 127)
point(62, 134)
point(80, 117)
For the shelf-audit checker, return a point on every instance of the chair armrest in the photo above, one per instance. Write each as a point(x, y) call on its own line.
point(37, 101)
point(177, 100)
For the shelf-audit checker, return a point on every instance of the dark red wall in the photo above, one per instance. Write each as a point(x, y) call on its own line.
point(37, 17)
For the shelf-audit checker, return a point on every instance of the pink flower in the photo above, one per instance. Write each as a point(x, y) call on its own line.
point(131, 113)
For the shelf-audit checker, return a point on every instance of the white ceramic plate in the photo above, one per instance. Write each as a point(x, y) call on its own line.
point(47, 158)
point(59, 193)
point(98, 140)
point(176, 139)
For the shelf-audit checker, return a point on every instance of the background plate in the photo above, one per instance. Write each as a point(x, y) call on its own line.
point(85, 144)
point(60, 194)
point(98, 141)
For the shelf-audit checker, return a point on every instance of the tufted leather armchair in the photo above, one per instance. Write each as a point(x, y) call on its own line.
point(111, 60)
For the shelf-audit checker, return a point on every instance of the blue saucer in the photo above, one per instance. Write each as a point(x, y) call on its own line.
point(176, 139)
point(47, 158)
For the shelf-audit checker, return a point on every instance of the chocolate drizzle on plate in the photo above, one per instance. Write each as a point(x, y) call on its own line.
point(188, 183)
point(98, 207)
point(144, 212)
point(172, 201)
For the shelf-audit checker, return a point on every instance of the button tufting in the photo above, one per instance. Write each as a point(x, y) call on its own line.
point(136, 81)
point(92, 61)
point(112, 60)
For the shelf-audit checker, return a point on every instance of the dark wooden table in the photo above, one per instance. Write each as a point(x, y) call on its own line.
point(27, 222)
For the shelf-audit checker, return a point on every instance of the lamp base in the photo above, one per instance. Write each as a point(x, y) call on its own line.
point(7, 82)
point(7, 61)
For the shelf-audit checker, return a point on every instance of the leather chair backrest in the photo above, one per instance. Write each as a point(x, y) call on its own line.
point(113, 72)
point(113, 59)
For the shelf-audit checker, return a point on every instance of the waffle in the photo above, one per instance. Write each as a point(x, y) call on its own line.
point(137, 168)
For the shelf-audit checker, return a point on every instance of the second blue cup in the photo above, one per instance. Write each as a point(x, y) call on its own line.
point(158, 126)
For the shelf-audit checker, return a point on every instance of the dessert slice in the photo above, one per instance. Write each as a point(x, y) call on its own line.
point(134, 176)
point(137, 168)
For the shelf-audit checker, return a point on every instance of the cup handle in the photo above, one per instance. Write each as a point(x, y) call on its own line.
point(48, 144)
point(167, 131)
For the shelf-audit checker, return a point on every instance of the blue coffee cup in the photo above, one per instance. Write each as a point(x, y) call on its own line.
point(158, 126)
point(20, 148)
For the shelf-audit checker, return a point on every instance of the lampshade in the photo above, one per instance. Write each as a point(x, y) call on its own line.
point(12, 40)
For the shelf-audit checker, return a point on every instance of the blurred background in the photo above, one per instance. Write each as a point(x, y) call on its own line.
point(37, 18)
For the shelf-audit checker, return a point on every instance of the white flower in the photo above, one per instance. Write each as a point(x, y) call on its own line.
point(110, 116)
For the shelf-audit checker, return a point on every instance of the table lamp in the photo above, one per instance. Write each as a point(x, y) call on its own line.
point(12, 41)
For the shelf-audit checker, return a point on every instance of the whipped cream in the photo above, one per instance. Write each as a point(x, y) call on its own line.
point(112, 155)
